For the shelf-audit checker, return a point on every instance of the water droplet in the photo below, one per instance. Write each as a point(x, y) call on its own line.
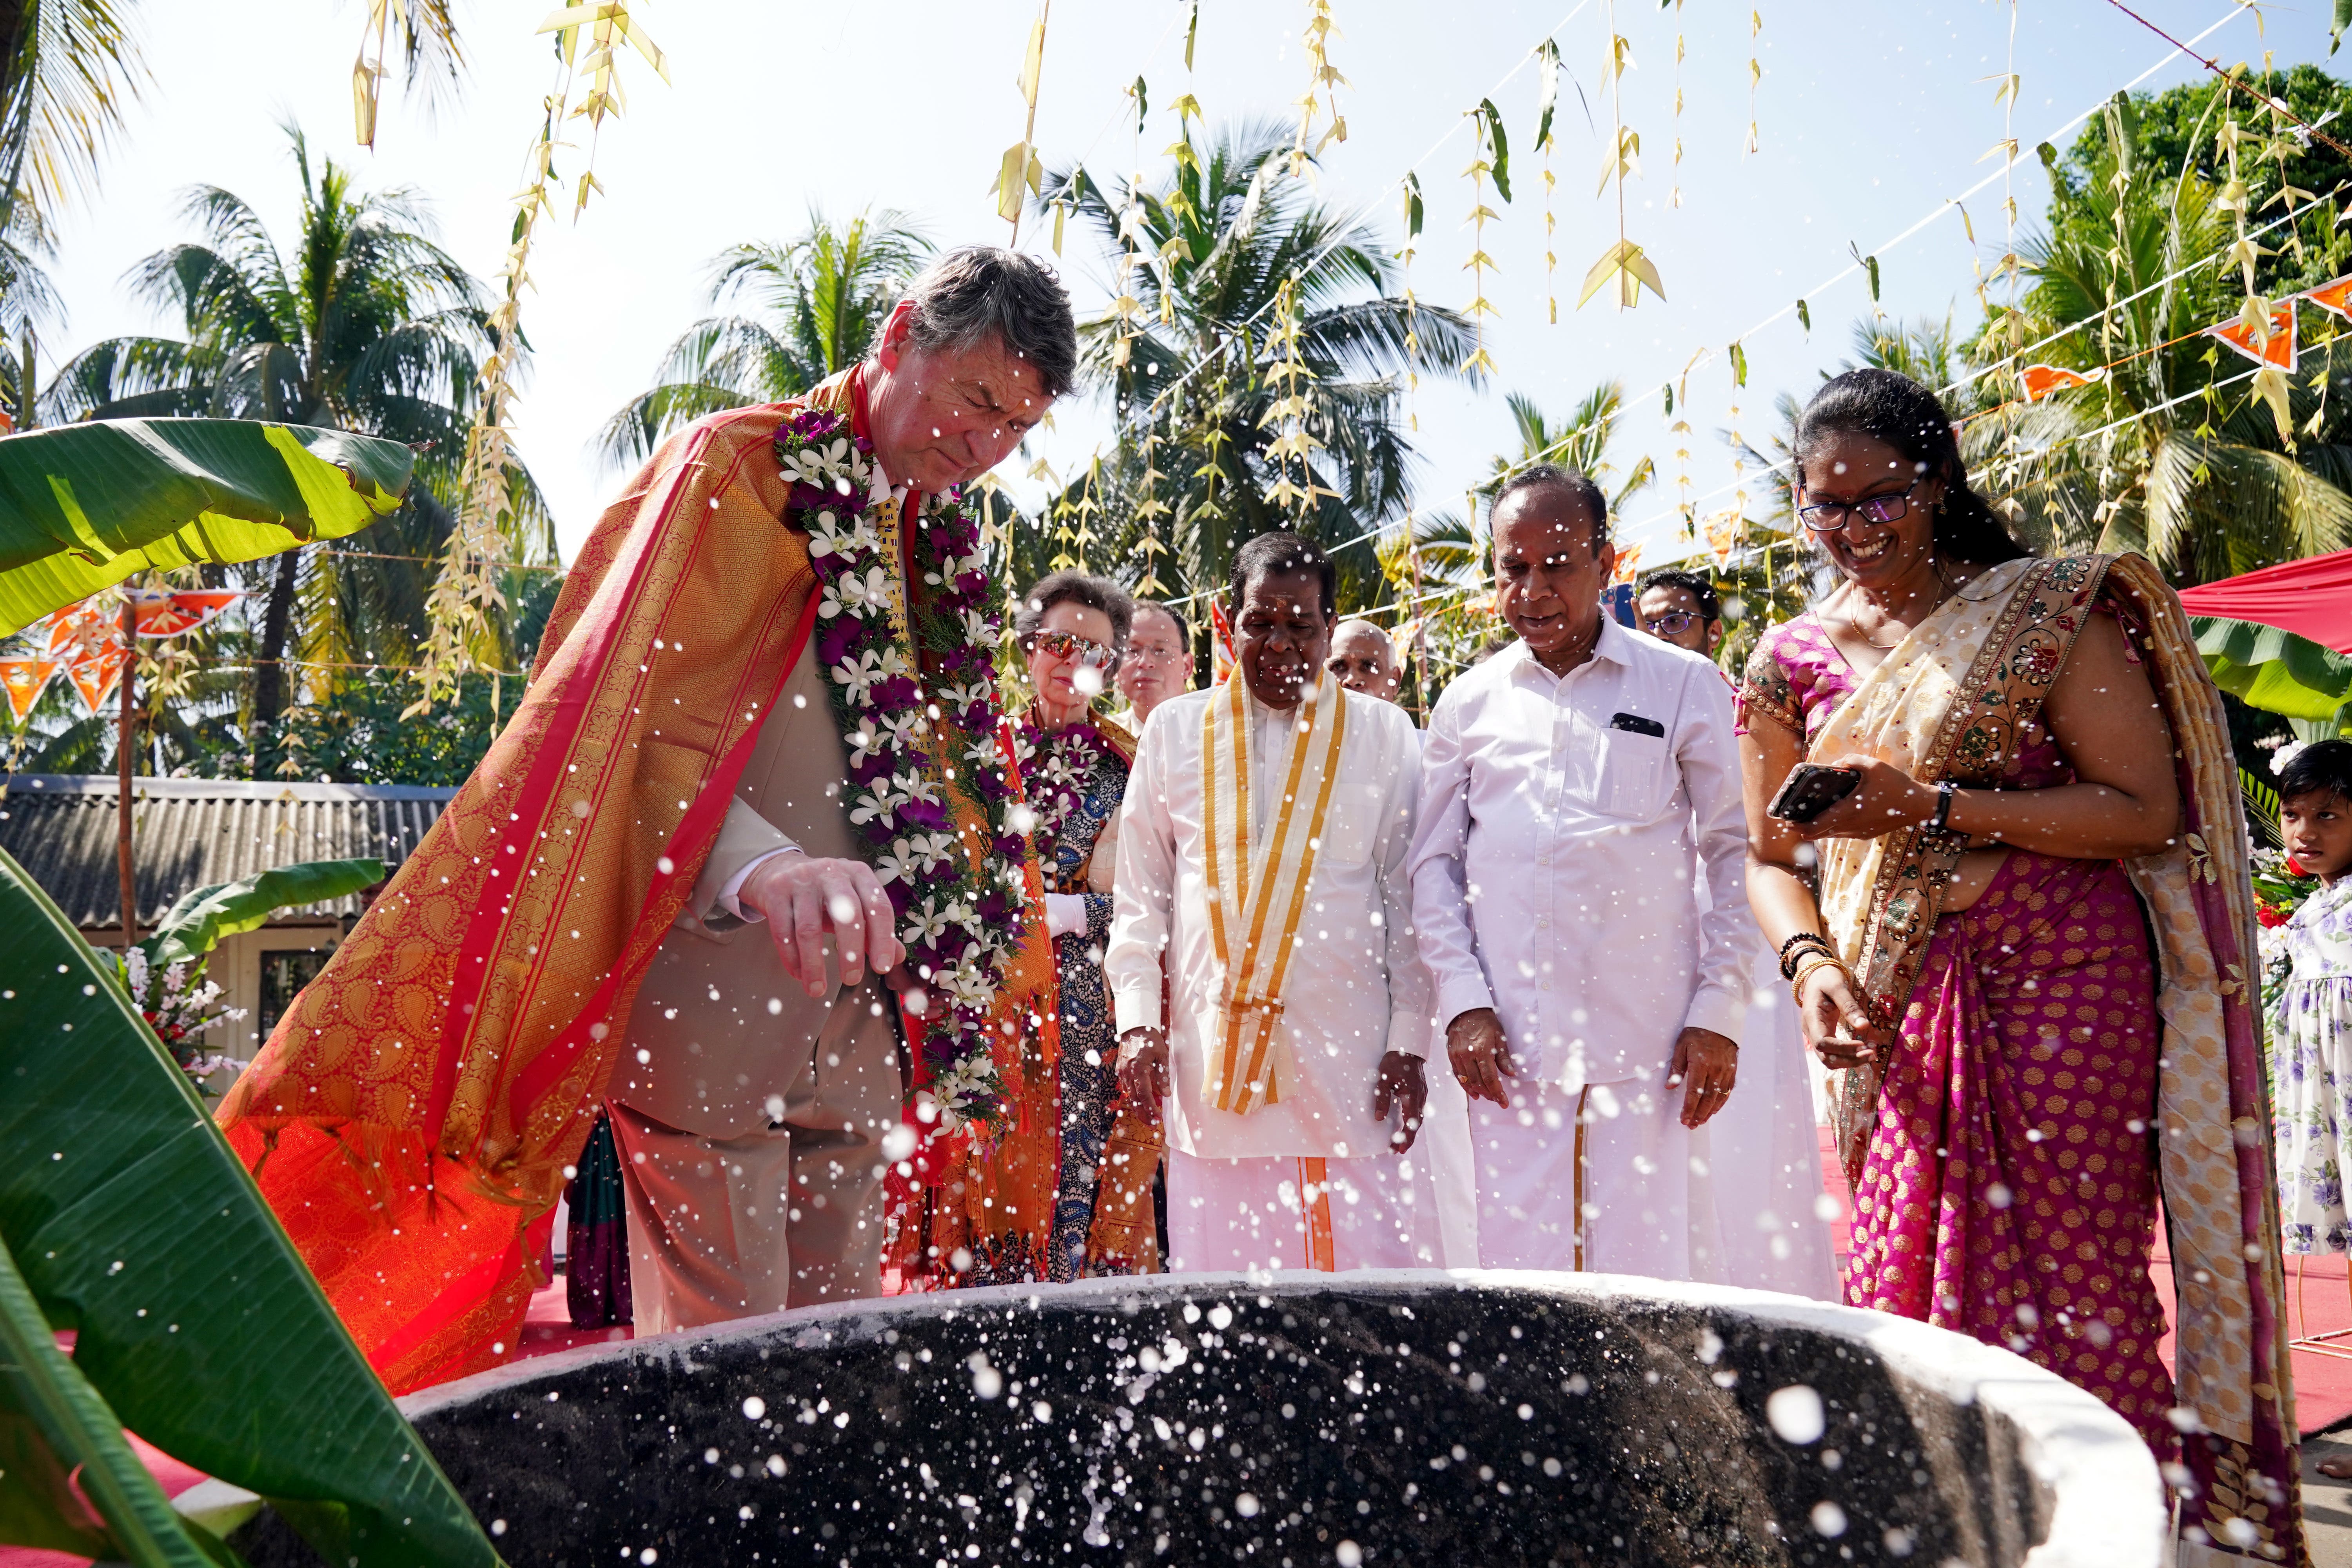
point(1796, 1415)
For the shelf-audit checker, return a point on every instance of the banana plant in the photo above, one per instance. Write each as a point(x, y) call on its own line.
point(85, 506)
point(130, 1221)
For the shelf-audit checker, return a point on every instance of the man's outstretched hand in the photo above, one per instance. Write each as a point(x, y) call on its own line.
point(1143, 1071)
point(1400, 1085)
point(803, 899)
point(1481, 1056)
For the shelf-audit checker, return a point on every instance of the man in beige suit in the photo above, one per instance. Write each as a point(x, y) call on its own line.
point(758, 1102)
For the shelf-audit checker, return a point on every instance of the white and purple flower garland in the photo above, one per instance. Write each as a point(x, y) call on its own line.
point(960, 926)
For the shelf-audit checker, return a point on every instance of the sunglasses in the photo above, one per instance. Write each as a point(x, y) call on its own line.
point(1673, 624)
point(1069, 645)
point(1831, 516)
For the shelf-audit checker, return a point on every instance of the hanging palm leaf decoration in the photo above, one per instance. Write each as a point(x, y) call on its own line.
point(85, 506)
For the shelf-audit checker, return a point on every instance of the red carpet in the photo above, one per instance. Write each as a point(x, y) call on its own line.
point(2318, 1301)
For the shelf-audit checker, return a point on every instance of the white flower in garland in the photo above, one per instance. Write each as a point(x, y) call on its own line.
point(866, 740)
point(2283, 755)
point(857, 593)
point(860, 675)
point(828, 536)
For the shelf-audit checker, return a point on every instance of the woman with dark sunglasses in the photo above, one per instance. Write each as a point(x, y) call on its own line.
point(1073, 627)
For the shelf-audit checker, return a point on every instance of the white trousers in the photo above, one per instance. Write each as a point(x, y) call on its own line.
point(1606, 1179)
point(1292, 1212)
point(1768, 1159)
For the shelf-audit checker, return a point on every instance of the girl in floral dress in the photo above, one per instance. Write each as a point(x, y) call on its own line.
point(2311, 1010)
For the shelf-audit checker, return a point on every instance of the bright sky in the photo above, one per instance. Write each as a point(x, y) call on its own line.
point(1869, 117)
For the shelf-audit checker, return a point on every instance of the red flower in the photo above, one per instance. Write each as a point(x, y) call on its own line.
point(2295, 866)
point(2268, 916)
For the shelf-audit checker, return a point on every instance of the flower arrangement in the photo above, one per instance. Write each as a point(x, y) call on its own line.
point(960, 915)
point(181, 1006)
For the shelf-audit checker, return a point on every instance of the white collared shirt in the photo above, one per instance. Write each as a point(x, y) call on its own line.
point(1553, 871)
point(1355, 988)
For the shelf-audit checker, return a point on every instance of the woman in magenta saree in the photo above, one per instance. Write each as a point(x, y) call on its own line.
point(2023, 944)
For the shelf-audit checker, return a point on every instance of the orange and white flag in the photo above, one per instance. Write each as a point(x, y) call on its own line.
point(25, 680)
point(1222, 656)
point(96, 676)
point(2273, 347)
point(168, 614)
point(2041, 380)
point(2333, 298)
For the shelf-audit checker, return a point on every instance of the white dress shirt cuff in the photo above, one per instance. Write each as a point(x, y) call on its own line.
point(1408, 1035)
point(1715, 1009)
point(1460, 994)
point(1065, 914)
point(1136, 1007)
point(727, 895)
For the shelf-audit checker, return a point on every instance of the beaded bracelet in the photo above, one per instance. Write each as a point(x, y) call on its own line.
point(1798, 942)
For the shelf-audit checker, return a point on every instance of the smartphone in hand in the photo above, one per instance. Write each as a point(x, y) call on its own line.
point(1810, 790)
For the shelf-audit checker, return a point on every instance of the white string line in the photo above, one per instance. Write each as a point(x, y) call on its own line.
point(2017, 459)
point(1708, 355)
point(1339, 231)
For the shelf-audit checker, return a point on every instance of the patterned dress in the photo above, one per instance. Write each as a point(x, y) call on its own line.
point(2010, 1189)
point(1076, 780)
point(2311, 1072)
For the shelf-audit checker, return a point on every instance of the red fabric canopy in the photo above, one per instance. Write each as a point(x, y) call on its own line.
point(2311, 598)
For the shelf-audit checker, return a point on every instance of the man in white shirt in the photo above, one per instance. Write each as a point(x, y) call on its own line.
point(1263, 862)
point(1570, 784)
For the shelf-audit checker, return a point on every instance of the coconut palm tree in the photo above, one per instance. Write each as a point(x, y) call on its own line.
point(1254, 314)
point(822, 297)
point(1580, 442)
point(2170, 451)
point(367, 326)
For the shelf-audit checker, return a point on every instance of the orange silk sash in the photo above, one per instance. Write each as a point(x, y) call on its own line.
point(414, 1115)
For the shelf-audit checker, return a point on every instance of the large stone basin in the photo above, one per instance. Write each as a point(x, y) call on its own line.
point(1294, 1419)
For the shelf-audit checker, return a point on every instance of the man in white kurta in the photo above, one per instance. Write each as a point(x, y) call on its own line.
point(1571, 785)
point(1312, 1179)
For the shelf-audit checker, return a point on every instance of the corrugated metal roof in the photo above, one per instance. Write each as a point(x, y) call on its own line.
point(189, 833)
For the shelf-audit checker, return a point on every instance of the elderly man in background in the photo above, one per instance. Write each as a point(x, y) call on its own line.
point(1569, 785)
point(1364, 661)
point(1767, 1155)
point(1158, 662)
point(1262, 873)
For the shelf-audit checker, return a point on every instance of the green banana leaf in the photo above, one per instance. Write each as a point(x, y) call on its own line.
point(202, 919)
point(54, 1425)
point(198, 1324)
point(2272, 669)
point(85, 506)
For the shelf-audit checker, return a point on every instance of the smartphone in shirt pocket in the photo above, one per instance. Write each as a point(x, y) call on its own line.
point(1636, 767)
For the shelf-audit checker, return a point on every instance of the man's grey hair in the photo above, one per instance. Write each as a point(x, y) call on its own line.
point(980, 292)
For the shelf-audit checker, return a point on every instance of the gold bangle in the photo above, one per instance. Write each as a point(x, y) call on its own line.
point(1816, 959)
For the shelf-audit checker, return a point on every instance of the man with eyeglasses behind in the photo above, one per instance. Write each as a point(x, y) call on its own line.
point(1682, 607)
point(1766, 1155)
point(1158, 662)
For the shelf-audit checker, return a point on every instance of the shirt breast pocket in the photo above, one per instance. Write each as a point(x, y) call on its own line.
point(1351, 823)
point(1637, 774)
